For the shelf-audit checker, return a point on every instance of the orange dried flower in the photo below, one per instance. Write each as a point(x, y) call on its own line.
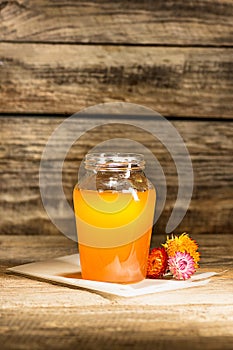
point(183, 244)
point(157, 263)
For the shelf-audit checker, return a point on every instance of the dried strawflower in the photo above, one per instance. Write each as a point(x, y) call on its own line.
point(183, 244)
point(157, 263)
point(181, 265)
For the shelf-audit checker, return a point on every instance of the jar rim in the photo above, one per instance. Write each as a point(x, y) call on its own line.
point(114, 161)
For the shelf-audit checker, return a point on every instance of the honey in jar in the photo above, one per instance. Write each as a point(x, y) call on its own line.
point(114, 208)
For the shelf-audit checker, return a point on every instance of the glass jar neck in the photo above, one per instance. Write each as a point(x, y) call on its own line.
point(114, 162)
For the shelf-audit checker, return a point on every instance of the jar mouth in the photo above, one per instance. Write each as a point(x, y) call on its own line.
point(114, 161)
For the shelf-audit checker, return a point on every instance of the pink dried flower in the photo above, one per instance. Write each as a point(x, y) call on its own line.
point(181, 265)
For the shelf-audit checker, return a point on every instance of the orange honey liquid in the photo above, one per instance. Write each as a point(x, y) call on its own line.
point(114, 232)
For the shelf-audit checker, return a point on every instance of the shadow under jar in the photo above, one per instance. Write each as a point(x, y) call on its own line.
point(114, 208)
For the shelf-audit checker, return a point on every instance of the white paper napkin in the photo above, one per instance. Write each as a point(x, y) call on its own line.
point(66, 270)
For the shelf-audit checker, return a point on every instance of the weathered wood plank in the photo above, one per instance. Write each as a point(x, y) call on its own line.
point(203, 22)
point(216, 255)
point(38, 78)
point(41, 315)
point(117, 327)
point(23, 139)
point(216, 249)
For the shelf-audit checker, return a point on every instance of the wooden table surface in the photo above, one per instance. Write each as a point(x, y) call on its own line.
point(40, 315)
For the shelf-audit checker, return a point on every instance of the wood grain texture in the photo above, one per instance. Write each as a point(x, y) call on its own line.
point(42, 78)
point(22, 141)
point(37, 315)
point(203, 22)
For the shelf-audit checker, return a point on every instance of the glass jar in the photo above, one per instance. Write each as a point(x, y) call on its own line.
point(114, 208)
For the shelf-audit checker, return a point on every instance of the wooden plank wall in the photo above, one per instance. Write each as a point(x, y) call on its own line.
point(57, 57)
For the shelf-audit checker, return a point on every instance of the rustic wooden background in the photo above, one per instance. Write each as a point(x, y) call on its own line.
point(57, 57)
